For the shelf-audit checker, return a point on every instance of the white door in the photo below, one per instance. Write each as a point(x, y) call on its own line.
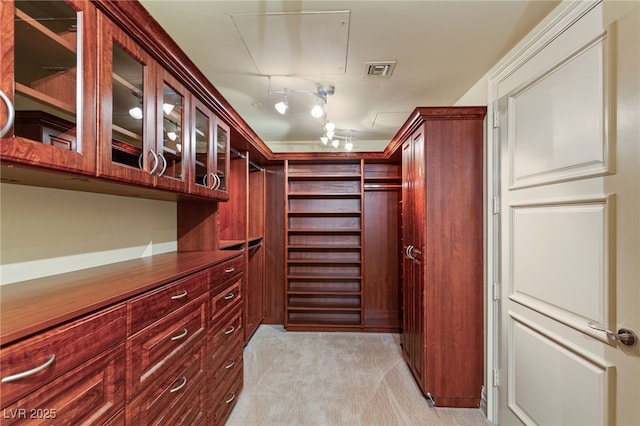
point(568, 141)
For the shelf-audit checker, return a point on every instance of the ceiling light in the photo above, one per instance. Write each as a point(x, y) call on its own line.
point(172, 135)
point(167, 108)
point(329, 126)
point(330, 134)
point(136, 112)
point(348, 146)
point(335, 143)
point(282, 107)
point(324, 140)
point(317, 111)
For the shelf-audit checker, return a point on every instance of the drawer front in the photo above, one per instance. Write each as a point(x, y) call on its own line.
point(166, 399)
point(220, 379)
point(153, 350)
point(52, 353)
point(225, 271)
point(224, 301)
point(221, 356)
point(223, 405)
point(193, 411)
point(90, 393)
point(225, 331)
point(146, 309)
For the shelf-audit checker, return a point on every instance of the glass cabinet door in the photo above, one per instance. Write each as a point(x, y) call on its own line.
point(222, 156)
point(53, 98)
point(203, 177)
point(171, 134)
point(127, 110)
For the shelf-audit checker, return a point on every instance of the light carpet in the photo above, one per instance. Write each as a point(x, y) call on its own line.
point(334, 379)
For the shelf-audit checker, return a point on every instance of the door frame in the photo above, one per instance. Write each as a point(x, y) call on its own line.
point(561, 18)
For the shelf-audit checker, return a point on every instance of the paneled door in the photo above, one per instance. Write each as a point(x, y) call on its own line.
point(569, 225)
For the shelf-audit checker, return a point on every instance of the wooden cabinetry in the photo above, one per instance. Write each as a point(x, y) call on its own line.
point(242, 226)
point(164, 338)
point(48, 73)
point(442, 201)
point(382, 247)
point(323, 247)
point(99, 91)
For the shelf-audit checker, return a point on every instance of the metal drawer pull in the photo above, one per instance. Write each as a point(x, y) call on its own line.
point(11, 114)
point(184, 333)
point(177, 388)
point(231, 364)
point(179, 296)
point(29, 372)
point(233, 396)
point(230, 330)
point(229, 296)
point(229, 270)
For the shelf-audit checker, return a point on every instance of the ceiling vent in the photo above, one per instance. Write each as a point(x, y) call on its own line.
point(379, 69)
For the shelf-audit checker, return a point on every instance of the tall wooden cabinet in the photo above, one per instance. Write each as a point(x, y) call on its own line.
point(442, 199)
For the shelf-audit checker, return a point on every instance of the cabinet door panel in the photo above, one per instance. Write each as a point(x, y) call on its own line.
point(126, 109)
point(48, 74)
point(172, 133)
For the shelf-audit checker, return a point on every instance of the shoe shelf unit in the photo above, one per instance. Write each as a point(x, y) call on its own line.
point(323, 245)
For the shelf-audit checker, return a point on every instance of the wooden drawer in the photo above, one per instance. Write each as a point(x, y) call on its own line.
point(152, 351)
point(225, 330)
point(165, 401)
point(219, 379)
point(152, 306)
point(90, 394)
point(58, 351)
point(222, 405)
point(225, 271)
point(221, 356)
point(226, 299)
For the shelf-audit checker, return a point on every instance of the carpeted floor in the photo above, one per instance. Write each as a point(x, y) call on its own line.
point(350, 379)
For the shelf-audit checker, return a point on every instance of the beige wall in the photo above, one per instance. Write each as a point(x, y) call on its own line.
point(49, 231)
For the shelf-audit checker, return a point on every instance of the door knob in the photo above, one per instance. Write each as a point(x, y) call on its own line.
point(625, 336)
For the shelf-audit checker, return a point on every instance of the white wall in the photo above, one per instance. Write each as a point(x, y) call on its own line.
point(49, 231)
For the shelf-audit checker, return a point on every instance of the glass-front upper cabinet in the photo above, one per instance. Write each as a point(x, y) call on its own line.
point(172, 136)
point(222, 156)
point(209, 153)
point(127, 94)
point(47, 83)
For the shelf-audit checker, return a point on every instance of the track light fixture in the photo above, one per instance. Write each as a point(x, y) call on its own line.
point(319, 110)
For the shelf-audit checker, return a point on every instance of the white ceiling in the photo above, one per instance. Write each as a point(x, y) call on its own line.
point(441, 49)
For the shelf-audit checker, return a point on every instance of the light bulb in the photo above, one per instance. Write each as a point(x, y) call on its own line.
point(335, 143)
point(167, 108)
point(330, 127)
point(172, 135)
point(324, 140)
point(317, 111)
point(281, 107)
point(136, 112)
point(330, 134)
point(348, 146)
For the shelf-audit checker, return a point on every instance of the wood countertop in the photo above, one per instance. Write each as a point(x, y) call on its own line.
point(35, 305)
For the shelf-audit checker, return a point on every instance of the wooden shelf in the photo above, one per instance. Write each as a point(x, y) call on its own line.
point(323, 265)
